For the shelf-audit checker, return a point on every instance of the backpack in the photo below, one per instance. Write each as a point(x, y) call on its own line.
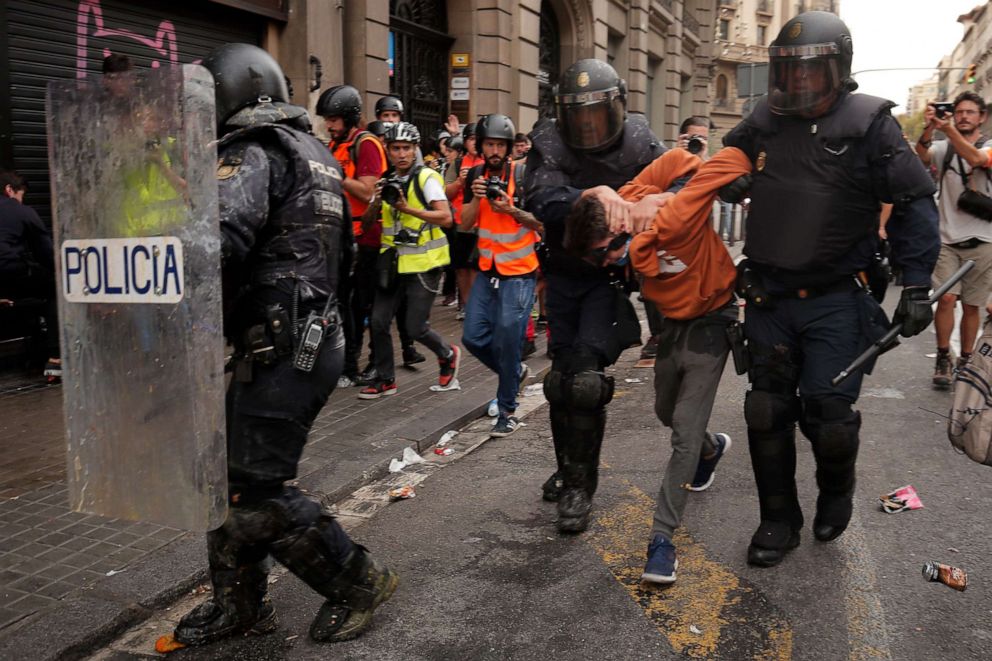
point(969, 425)
point(947, 163)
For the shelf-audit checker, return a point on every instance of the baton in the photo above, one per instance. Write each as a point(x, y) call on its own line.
point(881, 343)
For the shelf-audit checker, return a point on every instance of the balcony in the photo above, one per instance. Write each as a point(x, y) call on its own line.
point(765, 8)
point(690, 22)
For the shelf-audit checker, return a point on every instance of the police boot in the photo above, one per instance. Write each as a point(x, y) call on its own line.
point(354, 594)
point(552, 487)
point(832, 428)
point(773, 458)
point(581, 468)
point(238, 606)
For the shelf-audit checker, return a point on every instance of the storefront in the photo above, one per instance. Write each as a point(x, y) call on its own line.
point(68, 39)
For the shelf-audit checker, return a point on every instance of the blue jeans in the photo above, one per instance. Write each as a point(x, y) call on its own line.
point(495, 323)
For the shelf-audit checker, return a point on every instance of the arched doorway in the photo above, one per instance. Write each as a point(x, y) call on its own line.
point(420, 44)
point(549, 60)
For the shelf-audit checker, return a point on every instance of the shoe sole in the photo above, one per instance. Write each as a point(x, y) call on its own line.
point(792, 545)
point(262, 627)
point(502, 434)
point(709, 482)
point(385, 393)
point(662, 579)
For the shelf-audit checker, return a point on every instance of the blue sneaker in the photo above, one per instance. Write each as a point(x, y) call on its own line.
point(705, 471)
point(662, 562)
point(505, 425)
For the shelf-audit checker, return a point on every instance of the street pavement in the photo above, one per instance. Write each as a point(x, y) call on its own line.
point(70, 581)
point(484, 574)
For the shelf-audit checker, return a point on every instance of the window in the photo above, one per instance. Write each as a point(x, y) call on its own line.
point(721, 90)
point(762, 35)
point(724, 30)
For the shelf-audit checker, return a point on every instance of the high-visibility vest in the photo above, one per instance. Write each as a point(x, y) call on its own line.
point(346, 154)
point(431, 250)
point(151, 204)
point(502, 240)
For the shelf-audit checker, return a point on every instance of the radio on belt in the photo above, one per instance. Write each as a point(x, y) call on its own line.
point(310, 341)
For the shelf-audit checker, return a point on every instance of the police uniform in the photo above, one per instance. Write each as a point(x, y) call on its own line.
point(285, 238)
point(580, 298)
point(819, 177)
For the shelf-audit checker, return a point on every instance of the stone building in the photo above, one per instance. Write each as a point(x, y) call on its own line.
point(470, 57)
point(975, 48)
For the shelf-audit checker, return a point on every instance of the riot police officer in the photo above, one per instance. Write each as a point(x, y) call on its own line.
point(591, 148)
point(285, 237)
point(823, 159)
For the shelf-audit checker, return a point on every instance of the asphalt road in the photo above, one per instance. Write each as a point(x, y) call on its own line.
point(484, 574)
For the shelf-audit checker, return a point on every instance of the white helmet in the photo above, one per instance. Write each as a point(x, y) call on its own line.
point(403, 132)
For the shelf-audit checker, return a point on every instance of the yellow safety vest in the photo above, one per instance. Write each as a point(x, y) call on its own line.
point(431, 250)
point(151, 204)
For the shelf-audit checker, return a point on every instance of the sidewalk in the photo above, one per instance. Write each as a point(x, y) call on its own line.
point(70, 581)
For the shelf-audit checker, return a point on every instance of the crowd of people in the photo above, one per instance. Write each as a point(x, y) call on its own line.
point(568, 221)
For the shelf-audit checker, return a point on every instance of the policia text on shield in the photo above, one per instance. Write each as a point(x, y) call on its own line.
point(886, 339)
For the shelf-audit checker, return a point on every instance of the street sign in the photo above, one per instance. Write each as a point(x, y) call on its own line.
point(461, 60)
point(459, 95)
point(459, 82)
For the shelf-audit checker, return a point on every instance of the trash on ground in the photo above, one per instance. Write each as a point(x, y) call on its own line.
point(167, 643)
point(444, 452)
point(644, 362)
point(410, 457)
point(446, 438)
point(113, 572)
point(402, 493)
point(395, 465)
point(493, 409)
point(454, 385)
point(696, 630)
point(953, 550)
point(289, 638)
point(532, 390)
point(633, 380)
point(471, 540)
point(903, 498)
point(952, 577)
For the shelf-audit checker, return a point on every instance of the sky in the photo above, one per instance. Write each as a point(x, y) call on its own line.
point(901, 33)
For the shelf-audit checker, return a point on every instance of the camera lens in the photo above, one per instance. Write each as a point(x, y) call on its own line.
point(493, 188)
point(391, 192)
point(695, 145)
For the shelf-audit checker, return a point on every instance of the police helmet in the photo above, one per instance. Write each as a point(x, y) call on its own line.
point(342, 101)
point(244, 75)
point(590, 105)
point(403, 132)
point(388, 103)
point(810, 64)
point(494, 127)
point(378, 128)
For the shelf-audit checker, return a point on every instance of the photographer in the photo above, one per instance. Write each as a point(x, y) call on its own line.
point(503, 293)
point(414, 210)
point(463, 243)
point(964, 233)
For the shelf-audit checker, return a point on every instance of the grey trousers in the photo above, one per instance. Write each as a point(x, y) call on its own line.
point(687, 371)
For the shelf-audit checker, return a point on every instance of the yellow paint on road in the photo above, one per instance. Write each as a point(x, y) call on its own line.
point(707, 595)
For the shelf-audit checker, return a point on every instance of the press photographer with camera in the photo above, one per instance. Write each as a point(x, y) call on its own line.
point(962, 163)
point(414, 209)
point(694, 134)
point(502, 294)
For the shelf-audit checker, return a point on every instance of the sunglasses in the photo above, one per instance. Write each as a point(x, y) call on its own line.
point(599, 254)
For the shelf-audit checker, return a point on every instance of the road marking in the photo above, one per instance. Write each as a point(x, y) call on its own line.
point(733, 618)
point(865, 618)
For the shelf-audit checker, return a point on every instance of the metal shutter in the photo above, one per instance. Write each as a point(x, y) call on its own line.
point(67, 39)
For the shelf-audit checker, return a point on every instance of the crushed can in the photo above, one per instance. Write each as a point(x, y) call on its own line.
point(952, 577)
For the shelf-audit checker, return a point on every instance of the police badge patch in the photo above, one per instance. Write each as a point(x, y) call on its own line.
point(795, 30)
point(228, 166)
point(582, 80)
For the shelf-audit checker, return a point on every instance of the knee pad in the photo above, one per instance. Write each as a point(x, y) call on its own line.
point(590, 391)
point(554, 389)
point(832, 427)
point(769, 411)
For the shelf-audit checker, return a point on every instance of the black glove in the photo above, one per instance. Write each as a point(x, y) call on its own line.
point(914, 313)
point(736, 190)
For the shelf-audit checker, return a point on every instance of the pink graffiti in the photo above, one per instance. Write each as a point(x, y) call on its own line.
point(164, 42)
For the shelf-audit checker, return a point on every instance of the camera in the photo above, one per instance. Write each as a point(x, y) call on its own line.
point(942, 108)
point(392, 190)
point(404, 237)
point(695, 144)
point(493, 188)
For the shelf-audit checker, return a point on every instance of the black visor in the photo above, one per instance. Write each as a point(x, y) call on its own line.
point(803, 78)
point(590, 121)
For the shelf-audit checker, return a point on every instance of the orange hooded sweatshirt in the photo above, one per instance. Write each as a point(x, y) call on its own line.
point(687, 270)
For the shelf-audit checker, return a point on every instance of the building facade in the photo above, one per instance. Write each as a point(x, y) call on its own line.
point(920, 94)
point(469, 57)
point(975, 48)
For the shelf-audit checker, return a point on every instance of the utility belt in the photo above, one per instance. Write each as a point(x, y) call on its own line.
point(752, 286)
point(280, 335)
point(967, 244)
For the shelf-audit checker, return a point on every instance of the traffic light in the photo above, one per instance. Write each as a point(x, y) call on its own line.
point(970, 75)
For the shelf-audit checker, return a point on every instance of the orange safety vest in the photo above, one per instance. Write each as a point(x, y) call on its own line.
point(346, 155)
point(503, 241)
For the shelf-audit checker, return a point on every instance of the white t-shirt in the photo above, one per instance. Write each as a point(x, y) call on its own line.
point(956, 225)
point(433, 189)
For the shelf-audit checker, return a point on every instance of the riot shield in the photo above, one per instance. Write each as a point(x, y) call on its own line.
point(136, 231)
